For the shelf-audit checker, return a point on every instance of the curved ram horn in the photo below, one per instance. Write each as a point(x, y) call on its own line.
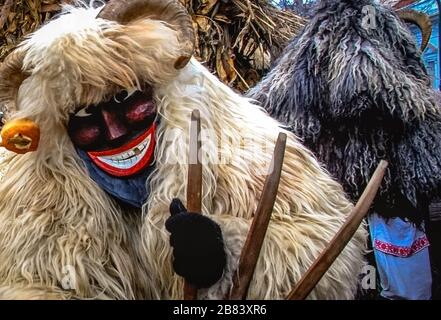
point(11, 74)
point(171, 11)
point(421, 20)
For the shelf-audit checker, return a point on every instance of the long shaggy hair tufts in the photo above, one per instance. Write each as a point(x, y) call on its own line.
point(354, 88)
point(54, 218)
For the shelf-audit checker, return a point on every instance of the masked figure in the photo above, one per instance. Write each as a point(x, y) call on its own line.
point(94, 212)
point(354, 88)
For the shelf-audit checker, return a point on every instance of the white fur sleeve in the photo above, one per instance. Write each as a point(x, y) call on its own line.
point(290, 247)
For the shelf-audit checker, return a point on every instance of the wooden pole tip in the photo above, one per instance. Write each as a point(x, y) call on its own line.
point(282, 137)
point(383, 164)
point(195, 115)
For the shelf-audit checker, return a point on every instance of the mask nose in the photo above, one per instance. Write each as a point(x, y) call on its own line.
point(115, 128)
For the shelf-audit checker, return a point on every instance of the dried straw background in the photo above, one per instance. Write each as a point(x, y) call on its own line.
point(236, 39)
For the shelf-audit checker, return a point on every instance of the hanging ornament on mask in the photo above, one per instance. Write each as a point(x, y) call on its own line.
point(20, 136)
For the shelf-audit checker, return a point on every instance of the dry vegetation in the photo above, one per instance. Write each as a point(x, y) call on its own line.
point(237, 39)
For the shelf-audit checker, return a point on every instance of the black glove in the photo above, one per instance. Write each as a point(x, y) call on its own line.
point(198, 247)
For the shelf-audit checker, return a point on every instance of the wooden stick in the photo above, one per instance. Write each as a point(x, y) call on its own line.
point(194, 187)
point(256, 235)
point(340, 240)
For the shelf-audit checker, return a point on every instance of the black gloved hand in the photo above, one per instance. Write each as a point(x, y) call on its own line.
point(198, 246)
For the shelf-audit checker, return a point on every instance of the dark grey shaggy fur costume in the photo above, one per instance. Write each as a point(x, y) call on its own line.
point(357, 95)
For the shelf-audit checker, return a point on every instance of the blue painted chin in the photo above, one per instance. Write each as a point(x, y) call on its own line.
point(129, 190)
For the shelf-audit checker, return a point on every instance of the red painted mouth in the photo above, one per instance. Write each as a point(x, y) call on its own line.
point(128, 159)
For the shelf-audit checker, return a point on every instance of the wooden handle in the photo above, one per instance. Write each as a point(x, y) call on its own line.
point(194, 187)
point(340, 240)
point(256, 235)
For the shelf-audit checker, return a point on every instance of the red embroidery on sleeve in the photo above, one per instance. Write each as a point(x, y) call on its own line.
point(418, 245)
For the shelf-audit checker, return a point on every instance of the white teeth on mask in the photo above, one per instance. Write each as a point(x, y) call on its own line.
point(130, 158)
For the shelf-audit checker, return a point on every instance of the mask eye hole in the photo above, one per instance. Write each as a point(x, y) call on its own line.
point(84, 128)
point(123, 95)
point(84, 112)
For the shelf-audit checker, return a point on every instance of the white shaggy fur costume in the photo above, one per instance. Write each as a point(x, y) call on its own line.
point(55, 222)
